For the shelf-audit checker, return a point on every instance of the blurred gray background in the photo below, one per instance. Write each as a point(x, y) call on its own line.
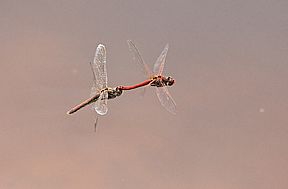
point(230, 62)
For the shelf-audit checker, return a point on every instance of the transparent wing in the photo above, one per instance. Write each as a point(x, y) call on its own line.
point(100, 105)
point(99, 70)
point(94, 89)
point(166, 100)
point(137, 58)
point(160, 62)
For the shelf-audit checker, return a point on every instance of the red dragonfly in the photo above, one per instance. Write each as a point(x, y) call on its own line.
point(100, 93)
point(155, 78)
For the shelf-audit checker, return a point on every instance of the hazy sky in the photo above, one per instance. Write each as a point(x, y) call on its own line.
point(230, 62)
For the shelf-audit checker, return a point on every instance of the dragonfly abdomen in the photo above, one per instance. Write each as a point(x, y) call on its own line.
point(83, 104)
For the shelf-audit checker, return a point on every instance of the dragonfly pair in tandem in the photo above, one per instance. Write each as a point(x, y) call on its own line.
point(100, 93)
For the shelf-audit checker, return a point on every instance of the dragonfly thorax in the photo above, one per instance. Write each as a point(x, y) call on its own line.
point(161, 81)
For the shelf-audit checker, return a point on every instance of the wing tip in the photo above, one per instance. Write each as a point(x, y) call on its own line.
point(101, 45)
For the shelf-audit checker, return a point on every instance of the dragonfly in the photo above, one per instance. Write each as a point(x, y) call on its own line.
point(155, 78)
point(100, 93)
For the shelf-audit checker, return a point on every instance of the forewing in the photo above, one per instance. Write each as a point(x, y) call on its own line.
point(101, 104)
point(138, 59)
point(94, 89)
point(99, 70)
point(166, 99)
point(160, 62)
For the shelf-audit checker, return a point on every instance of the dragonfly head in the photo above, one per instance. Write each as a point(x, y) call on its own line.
point(169, 81)
point(117, 91)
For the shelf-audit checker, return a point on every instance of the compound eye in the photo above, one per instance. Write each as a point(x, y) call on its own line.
point(171, 82)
